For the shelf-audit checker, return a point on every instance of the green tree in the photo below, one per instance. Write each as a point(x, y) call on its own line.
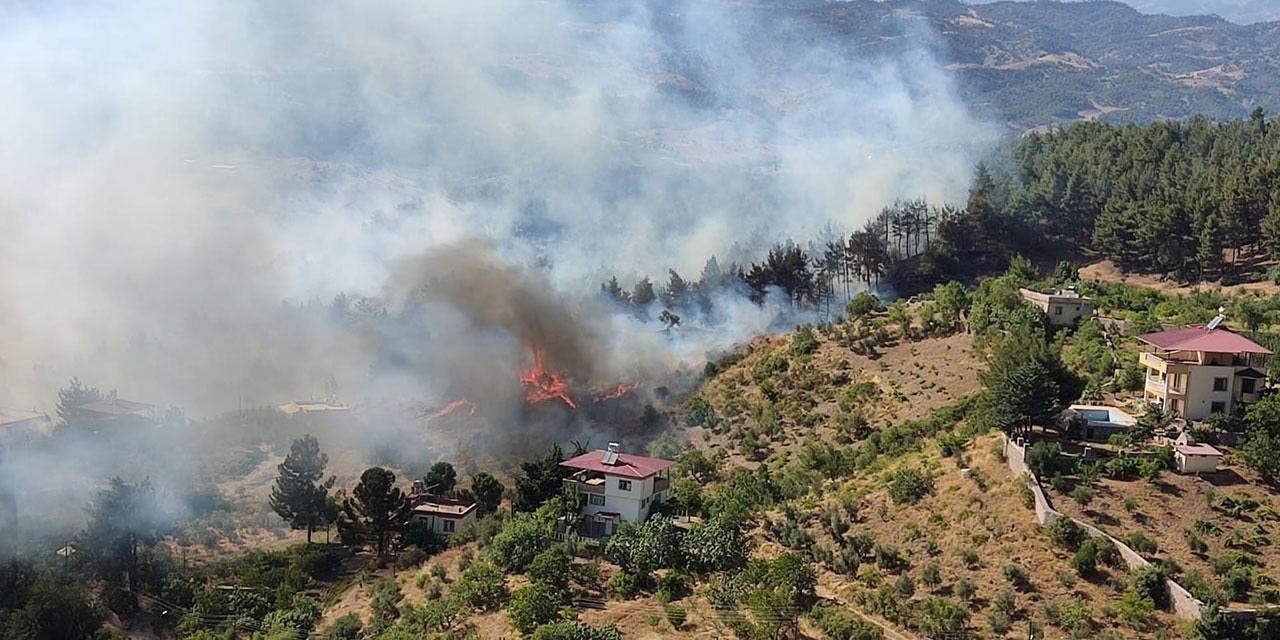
point(542, 479)
point(481, 587)
point(124, 519)
point(521, 539)
point(72, 397)
point(533, 605)
point(34, 605)
point(376, 512)
point(300, 496)
point(1261, 449)
point(487, 491)
point(552, 568)
point(441, 478)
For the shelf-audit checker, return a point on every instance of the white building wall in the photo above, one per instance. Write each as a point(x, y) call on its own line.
point(1200, 394)
point(1066, 311)
point(631, 505)
point(436, 523)
point(1195, 464)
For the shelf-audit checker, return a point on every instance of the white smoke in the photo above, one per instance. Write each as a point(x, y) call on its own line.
point(185, 185)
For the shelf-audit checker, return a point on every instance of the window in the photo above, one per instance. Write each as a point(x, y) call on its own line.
point(1057, 311)
point(1219, 384)
point(597, 500)
point(1217, 407)
point(624, 485)
point(1246, 385)
point(448, 526)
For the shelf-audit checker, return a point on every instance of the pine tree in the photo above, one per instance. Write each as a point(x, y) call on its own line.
point(487, 491)
point(300, 497)
point(376, 512)
point(441, 478)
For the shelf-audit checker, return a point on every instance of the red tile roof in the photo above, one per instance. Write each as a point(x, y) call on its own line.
point(1198, 449)
point(628, 465)
point(1195, 338)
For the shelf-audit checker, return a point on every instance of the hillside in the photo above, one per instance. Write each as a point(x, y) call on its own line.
point(1031, 64)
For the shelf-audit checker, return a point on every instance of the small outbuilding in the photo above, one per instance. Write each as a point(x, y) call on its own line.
point(1196, 458)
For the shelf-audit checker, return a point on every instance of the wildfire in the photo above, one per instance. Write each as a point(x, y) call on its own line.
point(448, 409)
point(542, 384)
point(614, 394)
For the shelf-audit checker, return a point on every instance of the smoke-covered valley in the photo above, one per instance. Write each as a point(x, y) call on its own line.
point(186, 187)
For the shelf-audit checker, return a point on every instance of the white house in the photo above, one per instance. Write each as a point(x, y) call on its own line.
point(619, 487)
point(442, 515)
point(1196, 458)
point(1062, 307)
point(1198, 371)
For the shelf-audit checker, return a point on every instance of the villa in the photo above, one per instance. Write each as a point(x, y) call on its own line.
point(1201, 370)
point(619, 487)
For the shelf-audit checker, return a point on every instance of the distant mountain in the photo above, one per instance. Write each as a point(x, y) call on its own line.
point(1238, 11)
point(1039, 63)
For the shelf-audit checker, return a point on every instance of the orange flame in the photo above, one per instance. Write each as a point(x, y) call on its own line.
point(614, 394)
point(542, 384)
point(449, 409)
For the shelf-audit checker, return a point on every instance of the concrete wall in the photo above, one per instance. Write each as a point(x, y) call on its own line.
point(1200, 393)
point(1184, 605)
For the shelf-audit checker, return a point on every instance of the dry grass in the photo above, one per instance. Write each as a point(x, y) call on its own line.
point(1167, 509)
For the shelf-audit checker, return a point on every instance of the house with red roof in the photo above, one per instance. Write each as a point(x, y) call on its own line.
point(619, 487)
point(1200, 370)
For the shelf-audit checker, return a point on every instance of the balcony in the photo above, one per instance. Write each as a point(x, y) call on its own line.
point(661, 483)
point(1157, 387)
point(585, 484)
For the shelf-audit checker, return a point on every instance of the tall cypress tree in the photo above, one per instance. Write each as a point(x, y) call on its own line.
point(300, 497)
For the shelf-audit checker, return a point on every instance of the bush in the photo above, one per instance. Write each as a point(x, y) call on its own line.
point(803, 341)
point(347, 627)
point(999, 622)
point(1065, 532)
point(905, 586)
point(909, 485)
point(676, 615)
point(522, 537)
point(841, 624)
point(1085, 561)
point(576, 631)
point(1005, 602)
point(965, 589)
point(481, 586)
point(1149, 582)
point(714, 546)
point(624, 585)
point(1042, 458)
point(411, 557)
point(1082, 494)
point(1139, 542)
point(551, 568)
point(1016, 576)
point(533, 605)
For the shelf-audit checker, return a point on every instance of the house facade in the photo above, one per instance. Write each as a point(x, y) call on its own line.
point(441, 515)
point(619, 487)
point(1063, 308)
point(1197, 371)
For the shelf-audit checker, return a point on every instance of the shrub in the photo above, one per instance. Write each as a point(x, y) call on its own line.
point(1065, 532)
point(1139, 542)
point(1042, 458)
point(905, 586)
point(803, 341)
point(576, 631)
point(1135, 609)
point(1016, 576)
point(889, 558)
point(909, 485)
point(481, 587)
point(624, 585)
point(1085, 561)
point(965, 589)
point(841, 624)
point(999, 622)
point(1005, 602)
point(931, 576)
point(676, 615)
point(969, 557)
point(347, 627)
point(411, 557)
point(522, 537)
point(533, 605)
point(714, 546)
point(1149, 582)
point(1082, 494)
point(1130, 504)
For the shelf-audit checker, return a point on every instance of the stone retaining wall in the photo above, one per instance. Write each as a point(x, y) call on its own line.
point(1184, 604)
